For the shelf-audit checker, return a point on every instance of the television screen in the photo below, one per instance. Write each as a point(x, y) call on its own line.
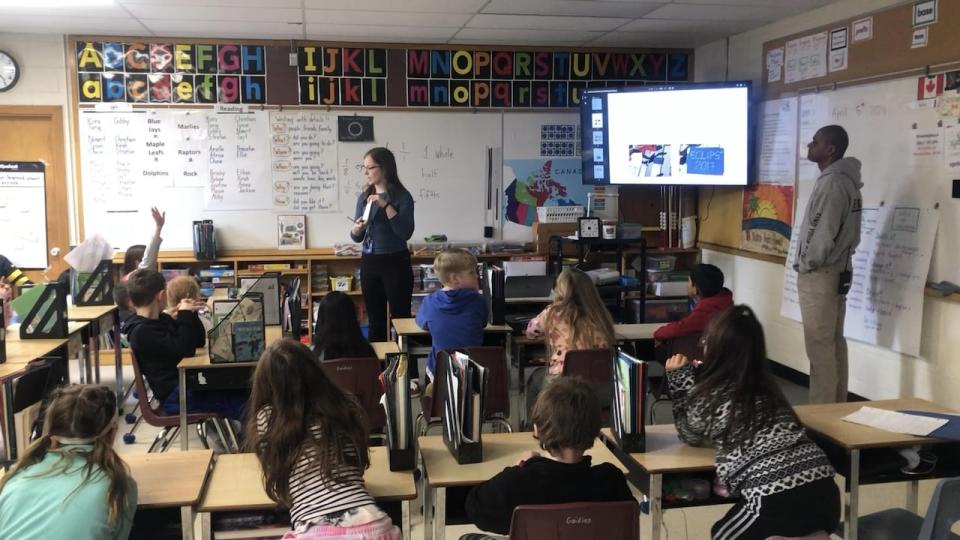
point(691, 134)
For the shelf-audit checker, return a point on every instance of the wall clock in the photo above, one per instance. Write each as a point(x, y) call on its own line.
point(9, 71)
point(589, 227)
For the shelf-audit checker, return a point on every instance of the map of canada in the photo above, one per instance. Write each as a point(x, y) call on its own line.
point(542, 184)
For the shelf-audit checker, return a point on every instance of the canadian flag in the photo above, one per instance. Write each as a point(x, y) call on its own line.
point(929, 87)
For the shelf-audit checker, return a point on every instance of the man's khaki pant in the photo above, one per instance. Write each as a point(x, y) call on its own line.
point(823, 310)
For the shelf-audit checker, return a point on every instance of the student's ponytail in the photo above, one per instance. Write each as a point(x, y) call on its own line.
point(32, 455)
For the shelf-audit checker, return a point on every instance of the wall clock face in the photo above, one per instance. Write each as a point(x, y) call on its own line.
point(9, 71)
point(589, 227)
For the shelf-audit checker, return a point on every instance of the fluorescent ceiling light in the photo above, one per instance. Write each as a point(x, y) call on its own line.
point(28, 4)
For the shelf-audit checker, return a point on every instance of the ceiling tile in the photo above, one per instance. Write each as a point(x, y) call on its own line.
point(379, 34)
point(553, 23)
point(523, 37)
point(293, 4)
point(653, 39)
point(217, 14)
point(598, 8)
point(419, 6)
point(70, 25)
point(227, 29)
point(716, 12)
point(686, 26)
point(324, 16)
point(93, 12)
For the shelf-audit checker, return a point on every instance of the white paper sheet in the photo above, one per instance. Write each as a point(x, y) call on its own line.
point(894, 421)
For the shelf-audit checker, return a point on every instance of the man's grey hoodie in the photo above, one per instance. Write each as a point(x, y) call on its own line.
point(830, 231)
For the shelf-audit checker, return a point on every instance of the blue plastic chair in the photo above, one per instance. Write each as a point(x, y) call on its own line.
point(899, 524)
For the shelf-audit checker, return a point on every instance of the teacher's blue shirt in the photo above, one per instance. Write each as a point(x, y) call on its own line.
point(382, 234)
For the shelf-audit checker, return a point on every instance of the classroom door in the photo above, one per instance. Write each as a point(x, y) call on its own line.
point(35, 133)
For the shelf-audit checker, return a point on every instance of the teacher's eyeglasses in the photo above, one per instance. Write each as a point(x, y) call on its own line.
point(371, 168)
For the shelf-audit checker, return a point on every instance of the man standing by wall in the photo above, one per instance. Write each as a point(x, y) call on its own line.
point(829, 234)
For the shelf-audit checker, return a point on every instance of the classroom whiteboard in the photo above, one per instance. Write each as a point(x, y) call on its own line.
point(904, 146)
point(23, 213)
point(906, 155)
point(244, 169)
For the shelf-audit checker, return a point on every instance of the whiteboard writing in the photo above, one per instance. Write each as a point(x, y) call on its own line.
point(23, 213)
point(885, 303)
point(239, 162)
point(304, 161)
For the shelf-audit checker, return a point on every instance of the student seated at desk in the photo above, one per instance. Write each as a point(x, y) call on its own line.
point(705, 286)
point(312, 443)
point(71, 483)
point(783, 480)
point(337, 333)
point(136, 257)
point(6, 295)
point(161, 341)
point(577, 319)
point(183, 288)
point(566, 421)
point(456, 314)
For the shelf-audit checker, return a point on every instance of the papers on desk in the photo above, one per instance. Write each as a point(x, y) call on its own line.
point(466, 383)
point(629, 389)
point(896, 422)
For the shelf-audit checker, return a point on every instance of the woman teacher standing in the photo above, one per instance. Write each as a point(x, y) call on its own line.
point(385, 271)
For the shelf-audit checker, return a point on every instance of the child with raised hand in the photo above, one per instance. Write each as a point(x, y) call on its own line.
point(577, 319)
point(140, 256)
point(337, 332)
point(312, 442)
point(70, 483)
point(783, 480)
point(566, 422)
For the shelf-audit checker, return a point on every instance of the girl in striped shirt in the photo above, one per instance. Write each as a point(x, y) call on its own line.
point(312, 443)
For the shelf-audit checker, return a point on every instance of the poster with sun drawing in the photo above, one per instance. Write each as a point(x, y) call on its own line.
point(767, 219)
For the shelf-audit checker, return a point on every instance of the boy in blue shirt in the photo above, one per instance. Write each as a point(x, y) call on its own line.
point(455, 315)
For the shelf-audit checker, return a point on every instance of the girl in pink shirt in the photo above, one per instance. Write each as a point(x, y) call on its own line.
point(577, 319)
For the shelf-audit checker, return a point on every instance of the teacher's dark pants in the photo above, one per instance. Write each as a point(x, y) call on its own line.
point(385, 279)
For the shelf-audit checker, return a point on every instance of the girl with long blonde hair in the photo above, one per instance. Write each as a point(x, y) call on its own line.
point(577, 319)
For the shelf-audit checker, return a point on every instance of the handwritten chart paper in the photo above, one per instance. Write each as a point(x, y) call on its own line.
point(239, 162)
point(303, 146)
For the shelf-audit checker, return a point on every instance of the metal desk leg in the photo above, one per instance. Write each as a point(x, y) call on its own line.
point(83, 361)
point(428, 497)
point(9, 432)
point(402, 343)
point(184, 435)
point(852, 498)
point(186, 522)
point(405, 516)
point(98, 333)
point(913, 492)
point(117, 362)
point(440, 514)
point(656, 505)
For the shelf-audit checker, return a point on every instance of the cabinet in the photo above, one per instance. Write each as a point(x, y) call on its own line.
point(630, 301)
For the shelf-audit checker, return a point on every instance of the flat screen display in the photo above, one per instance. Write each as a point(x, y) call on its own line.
point(691, 134)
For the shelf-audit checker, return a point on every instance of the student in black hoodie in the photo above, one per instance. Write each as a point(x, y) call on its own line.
point(161, 341)
point(566, 421)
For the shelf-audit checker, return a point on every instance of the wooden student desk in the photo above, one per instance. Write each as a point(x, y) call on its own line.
point(100, 318)
point(407, 328)
point(237, 484)
point(824, 424)
point(500, 450)
point(192, 376)
point(666, 455)
point(171, 479)
point(20, 360)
